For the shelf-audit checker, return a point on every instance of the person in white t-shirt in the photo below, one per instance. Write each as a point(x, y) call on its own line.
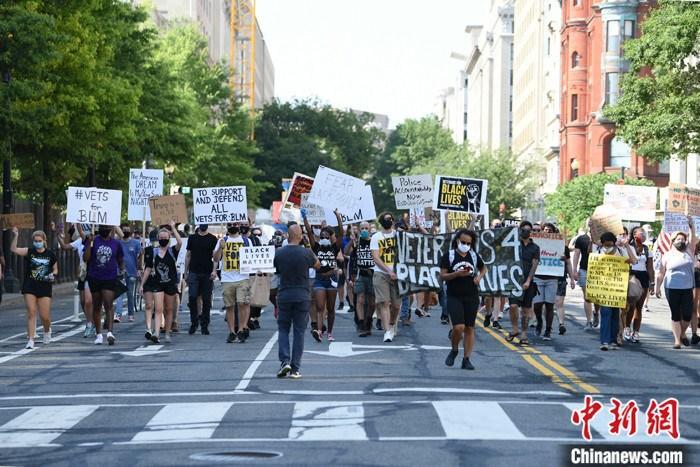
point(386, 288)
point(236, 286)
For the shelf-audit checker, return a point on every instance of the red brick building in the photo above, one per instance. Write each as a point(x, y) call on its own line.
point(592, 63)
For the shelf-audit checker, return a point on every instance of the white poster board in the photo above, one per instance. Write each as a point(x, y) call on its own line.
point(634, 203)
point(143, 185)
point(413, 191)
point(364, 211)
point(94, 206)
point(678, 222)
point(220, 205)
point(315, 214)
point(255, 259)
point(551, 253)
point(336, 190)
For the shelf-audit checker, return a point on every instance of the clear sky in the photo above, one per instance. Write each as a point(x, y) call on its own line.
point(383, 56)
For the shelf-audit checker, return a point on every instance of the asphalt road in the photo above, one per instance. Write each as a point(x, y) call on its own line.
point(360, 401)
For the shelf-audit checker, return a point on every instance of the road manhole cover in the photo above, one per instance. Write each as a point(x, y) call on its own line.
point(235, 456)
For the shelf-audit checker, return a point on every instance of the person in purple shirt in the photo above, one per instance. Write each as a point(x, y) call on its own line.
point(104, 257)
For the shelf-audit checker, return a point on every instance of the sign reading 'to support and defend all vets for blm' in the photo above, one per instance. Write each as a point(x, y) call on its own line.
point(220, 205)
point(94, 206)
point(460, 194)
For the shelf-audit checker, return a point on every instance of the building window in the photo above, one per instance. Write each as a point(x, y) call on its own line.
point(619, 153)
point(664, 167)
point(612, 86)
point(549, 46)
point(574, 107)
point(612, 37)
point(576, 2)
point(575, 59)
point(628, 33)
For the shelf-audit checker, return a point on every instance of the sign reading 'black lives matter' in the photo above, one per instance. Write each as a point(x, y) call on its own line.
point(460, 194)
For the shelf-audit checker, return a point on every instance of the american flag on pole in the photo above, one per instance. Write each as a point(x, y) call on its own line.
point(662, 245)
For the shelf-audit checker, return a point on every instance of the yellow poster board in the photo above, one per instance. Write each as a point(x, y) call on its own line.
point(606, 280)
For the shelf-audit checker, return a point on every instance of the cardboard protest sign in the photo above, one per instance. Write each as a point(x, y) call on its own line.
point(336, 190)
point(460, 194)
point(676, 221)
point(606, 280)
point(23, 220)
point(167, 208)
point(605, 219)
point(220, 205)
point(412, 191)
point(634, 203)
point(683, 198)
point(314, 213)
point(144, 184)
point(551, 253)
point(459, 220)
point(421, 216)
point(300, 184)
point(255, 259)
point(94, 206)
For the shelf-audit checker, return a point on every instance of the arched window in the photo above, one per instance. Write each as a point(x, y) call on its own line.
point(575, 59)
point(619, 153)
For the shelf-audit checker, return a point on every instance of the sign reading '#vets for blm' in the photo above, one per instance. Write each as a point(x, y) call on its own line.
point(551, 253)
point(336, 190)
point(167, 208)
point(606, 280)
point(257, 259)
point(143, 185)
point(300, 184)
point(460, 194)
point(220, 205)
point(411, 191)
point(94, 206)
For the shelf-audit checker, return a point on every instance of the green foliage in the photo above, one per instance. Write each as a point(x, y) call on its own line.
point(574, 201)
point(660, 96)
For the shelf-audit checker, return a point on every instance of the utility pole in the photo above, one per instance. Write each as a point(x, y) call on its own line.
point(11, 282)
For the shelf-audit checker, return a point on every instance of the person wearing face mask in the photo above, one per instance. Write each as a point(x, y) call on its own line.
point(255, 238)
point(200, 271)
point(643, 270)
point(104, 256)
point(132, 254)
point(360, 253)
point(40, 272)
point(678, 276)
point(462, 269)
point(530, 259)
point(386, 287)
point(149, 284)
point(325, 289)
point(78, 246)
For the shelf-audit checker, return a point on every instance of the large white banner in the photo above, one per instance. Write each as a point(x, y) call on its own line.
point(634, 203)
point(413, 191)
point(143, 184)
point(94, 206)
point(220, 205)
point(255, 259)
point(551, 253)
point(336, 190)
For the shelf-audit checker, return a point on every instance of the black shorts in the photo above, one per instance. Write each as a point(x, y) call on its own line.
point(168, 289)
point(150, 287)
point(462, 310)
point(680, 301)
point(98, 285)
point(697, 278)
point(643, 278)
point(525, 300)
point(561, 287)
point(37, 288)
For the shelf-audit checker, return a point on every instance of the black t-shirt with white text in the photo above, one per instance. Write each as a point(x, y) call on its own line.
point(462, 286)
point(327, 256)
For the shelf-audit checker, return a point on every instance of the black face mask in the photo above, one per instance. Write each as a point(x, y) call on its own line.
point(104, 233)
point(163, 241)
point(127, 234)
point(244, 230)
point(203, 227)
point(387, 222)
point(525, 234)
point(234, 230)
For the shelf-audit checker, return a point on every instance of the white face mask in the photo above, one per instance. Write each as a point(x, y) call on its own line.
point(463, 248)
point(324, 242)
point(608, 249)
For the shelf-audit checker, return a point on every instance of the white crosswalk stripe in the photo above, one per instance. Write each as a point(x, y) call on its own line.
point(313, 421)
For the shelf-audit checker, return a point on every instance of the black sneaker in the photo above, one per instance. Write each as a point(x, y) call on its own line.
point(251, 324)
point(316, 334)
point(205, 330)
point(193, 329)
point(497, 324)
point(538, 329)
point(148, 335)
point(420, 313)
point(155, 339)
point(256, 324)
point(562, 329)
point(466, 364)
point(378, 326)
point(695, 339)
point(341, 305)
point(547, 335)
point(285, 368)
point(444, 320)
point(313, 326)
point(231, 338)
point(450, 360)
point(246, 332)
point(596, 319)
point(324, 328)
point(685, 341)
point(487, 320)
point(242, 336)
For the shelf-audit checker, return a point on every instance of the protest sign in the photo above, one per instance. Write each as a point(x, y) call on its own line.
point(412, 191)
point(676, 221)
point(551, 253)
point(315, 214)
point(300, 184)
point(634, 203)
point(459, 220)
point(336, 190)
point(418, 260)
point(500, 250)
point(289, 213)
point(510, 223)
point(606, 280)
point(255, 259)
point(94, 206)
point(364, 210)
point(24, 220)
point(605, 219)
point(460, 194)
point(144, 184)
point(167, 208)
point(220, 205)
point(421, 216)
point(683, 198)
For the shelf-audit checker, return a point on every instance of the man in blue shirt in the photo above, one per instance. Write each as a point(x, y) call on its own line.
point(132, 253)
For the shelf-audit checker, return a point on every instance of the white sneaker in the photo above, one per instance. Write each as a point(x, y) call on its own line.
point(627, 334)
point(47, 337)
point(635, 337)
point(30, 344)
point(98, 339)
point(110, 338)
point(388, 336)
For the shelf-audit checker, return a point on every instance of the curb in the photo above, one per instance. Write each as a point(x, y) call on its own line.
point(63, 289)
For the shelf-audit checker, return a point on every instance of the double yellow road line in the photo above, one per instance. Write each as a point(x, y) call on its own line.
point(557, 373)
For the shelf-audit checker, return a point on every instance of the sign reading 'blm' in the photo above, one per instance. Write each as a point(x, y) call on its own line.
point(220, 205)
point(94, 206)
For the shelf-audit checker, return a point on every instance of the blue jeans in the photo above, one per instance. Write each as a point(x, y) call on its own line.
point(292, 314)
point(405, 307)
point(130, 297)
point(609, 324)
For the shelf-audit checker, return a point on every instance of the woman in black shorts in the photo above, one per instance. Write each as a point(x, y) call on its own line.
point(161, 264)
point(41, 270)
point(462, 268)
